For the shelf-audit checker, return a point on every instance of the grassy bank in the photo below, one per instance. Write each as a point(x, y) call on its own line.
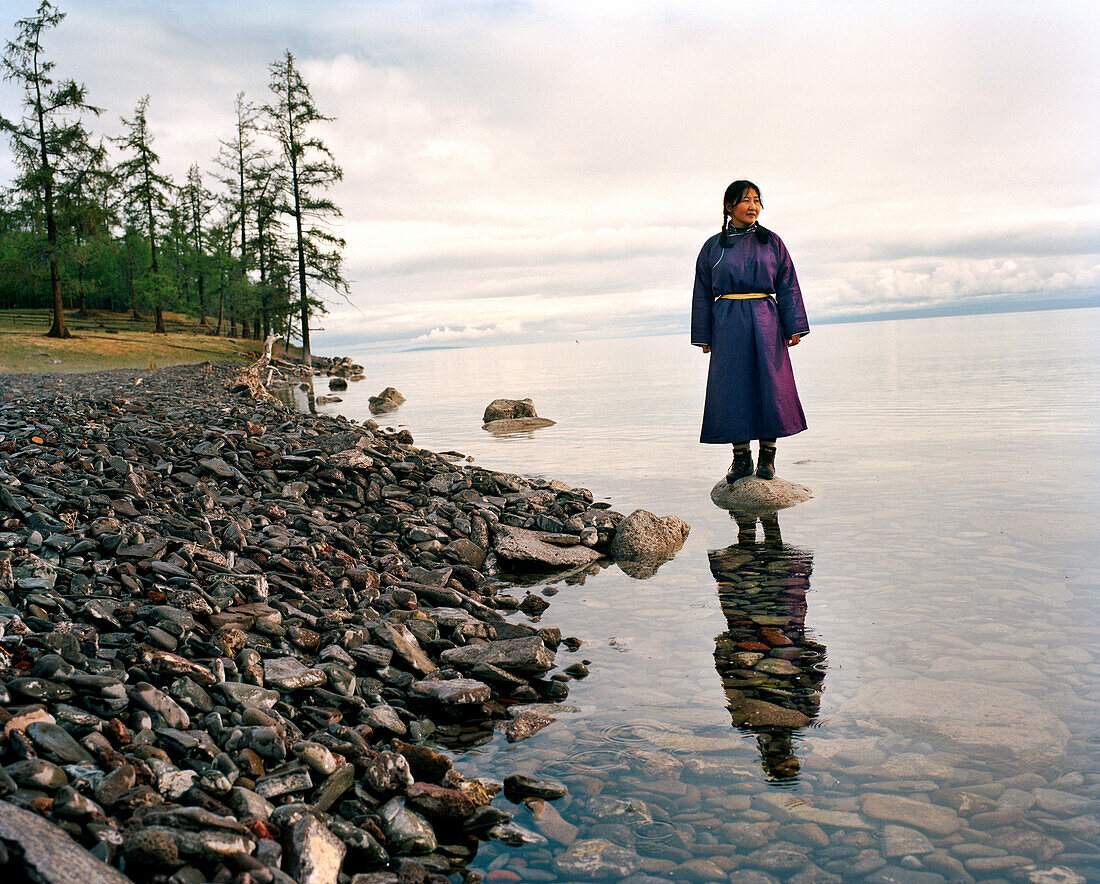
point(105, 340)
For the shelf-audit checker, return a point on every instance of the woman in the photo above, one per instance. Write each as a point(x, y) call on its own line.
point(746, 311)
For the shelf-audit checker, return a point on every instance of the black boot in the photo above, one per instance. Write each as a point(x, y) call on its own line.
point(765, 467)
point(741, 466)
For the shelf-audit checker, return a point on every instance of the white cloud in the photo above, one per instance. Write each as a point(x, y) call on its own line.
point(557, 165)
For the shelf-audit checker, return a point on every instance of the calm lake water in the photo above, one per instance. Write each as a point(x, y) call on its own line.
point(939, 594)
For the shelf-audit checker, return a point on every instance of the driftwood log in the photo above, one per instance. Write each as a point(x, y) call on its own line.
point(250, 379)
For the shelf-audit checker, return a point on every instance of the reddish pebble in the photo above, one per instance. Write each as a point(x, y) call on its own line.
point(261, 829)
point(775, 638)
point(502, 875)
point(752, 646)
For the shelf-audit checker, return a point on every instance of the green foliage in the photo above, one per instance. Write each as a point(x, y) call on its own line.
point(48, 139)
point(311, 170)
point(83, 230)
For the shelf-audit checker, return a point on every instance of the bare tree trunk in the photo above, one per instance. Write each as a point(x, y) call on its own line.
point(221, 303)
point(130, 280)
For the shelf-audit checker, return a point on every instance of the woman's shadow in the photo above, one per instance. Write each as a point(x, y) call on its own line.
point(771, 668)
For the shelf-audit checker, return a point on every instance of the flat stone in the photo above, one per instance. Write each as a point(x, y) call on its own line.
point(551, 823)
point(775, 666)
point(383, 717)
point(388, 772)
point(440, 803)
point(526, 654)
point(148, 697)
point(284, 782)
point(247, 803)
point(290, 674)
point(899, 875)
point(37, 773)
point(519, 786)
point(523, 549)
point(749, 712)
point(218, 467)
point(919, 814)
point(700, 870)
point(315, 853)
point(526, 724)
point(48, 854)
point(453, 692)
point(596, 859)
point(57, 744)
point(1064, 803)
point(968, 716)
point(752, 496)
point(241, 694)
point(902, 841)
point(398, 638)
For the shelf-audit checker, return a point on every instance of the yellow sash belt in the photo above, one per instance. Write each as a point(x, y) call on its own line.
point(744, 296)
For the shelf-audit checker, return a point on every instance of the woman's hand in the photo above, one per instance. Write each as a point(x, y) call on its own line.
point(793, 340)
point(705, 348)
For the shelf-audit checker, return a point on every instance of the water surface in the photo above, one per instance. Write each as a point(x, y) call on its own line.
point(940, 601)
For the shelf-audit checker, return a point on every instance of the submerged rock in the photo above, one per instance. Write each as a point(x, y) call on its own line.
point(596, 859)
point(974, 716)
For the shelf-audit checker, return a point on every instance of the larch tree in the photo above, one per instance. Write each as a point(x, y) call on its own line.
point(238, 159)
point(49, 132)
point(198, 202)
point(272, 260)
point(82, 214)
point(146, 192)
point(311, 170)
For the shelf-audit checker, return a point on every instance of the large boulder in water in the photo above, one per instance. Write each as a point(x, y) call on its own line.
point(644, 541)
point(508, 409)
point(753, 496)
point(386, 401)
point(503, 416)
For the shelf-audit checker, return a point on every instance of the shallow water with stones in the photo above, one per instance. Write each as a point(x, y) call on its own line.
point(896, 681)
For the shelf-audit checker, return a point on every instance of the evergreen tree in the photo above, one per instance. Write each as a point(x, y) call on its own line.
point(83, 214)
point(238, 159)
point(146, 193)
point(311, 171)
point(272, 258)
point(49, 132)
point(197, 205)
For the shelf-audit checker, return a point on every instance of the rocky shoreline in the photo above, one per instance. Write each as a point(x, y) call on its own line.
point(226, 632)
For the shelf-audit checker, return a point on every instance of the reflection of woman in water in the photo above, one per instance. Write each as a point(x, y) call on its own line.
point(772, 671)
point(746, 311)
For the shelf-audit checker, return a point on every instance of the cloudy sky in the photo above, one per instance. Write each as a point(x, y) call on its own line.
point(548, 169)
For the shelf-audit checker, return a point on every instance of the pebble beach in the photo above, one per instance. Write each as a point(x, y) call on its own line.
point(228, 631)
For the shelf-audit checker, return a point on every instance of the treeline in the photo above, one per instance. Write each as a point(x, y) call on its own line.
point(96, 224)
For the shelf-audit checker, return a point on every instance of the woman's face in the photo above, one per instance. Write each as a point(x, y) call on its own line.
point(746, 211)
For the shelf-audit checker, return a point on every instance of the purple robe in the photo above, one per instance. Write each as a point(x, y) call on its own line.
point(750, 386)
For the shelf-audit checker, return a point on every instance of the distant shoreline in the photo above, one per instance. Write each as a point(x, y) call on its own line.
point(992, 309)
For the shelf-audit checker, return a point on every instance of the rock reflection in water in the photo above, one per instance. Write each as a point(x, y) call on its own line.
point(771, 668)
